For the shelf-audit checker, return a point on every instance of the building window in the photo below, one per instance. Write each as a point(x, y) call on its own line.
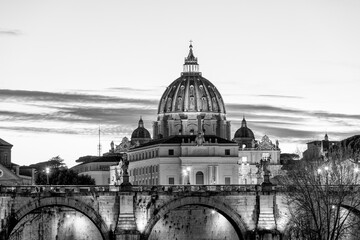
point(171, 152)
point(227, 180)
point(227, 152)
point(199, 178)
point(171, 181)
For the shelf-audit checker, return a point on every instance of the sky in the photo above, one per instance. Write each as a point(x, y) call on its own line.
point(292, 68)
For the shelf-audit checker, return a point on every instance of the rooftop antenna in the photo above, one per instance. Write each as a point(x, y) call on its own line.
point(99, 145)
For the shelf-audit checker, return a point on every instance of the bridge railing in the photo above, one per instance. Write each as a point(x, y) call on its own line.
point(28, 189)
point(330, 188)
point(32, 189)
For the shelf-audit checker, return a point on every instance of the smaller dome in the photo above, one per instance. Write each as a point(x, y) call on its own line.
point(140, 132)
point(244, 131)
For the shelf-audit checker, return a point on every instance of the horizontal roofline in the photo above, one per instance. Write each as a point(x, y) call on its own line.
point(178, 139)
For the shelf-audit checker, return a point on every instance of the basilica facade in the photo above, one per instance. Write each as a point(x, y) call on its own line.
point(192, 142)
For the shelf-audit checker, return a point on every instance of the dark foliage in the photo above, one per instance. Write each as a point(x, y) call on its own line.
point(320, 193)
point(64, 177)
point(53, 163)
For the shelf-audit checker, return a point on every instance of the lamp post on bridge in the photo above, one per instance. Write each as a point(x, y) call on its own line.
point(47, 171)
point(186, 173)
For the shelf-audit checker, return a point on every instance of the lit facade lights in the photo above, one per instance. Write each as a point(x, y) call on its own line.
point(47, 171)
point(186, 173)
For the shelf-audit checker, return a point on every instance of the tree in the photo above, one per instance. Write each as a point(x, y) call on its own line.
point(64, 177)
point(322, 198)
point(53, 163)
point(59, 174)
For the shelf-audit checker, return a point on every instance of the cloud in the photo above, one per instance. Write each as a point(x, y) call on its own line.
point(119, 116)
point(282, 132)
point(259, 108)
point(248, 109)
point(108, 115)
point(38, 96)
point(91, 115)
point(10, 32)
point(279, 96)
point(129, 89)
point(40, 130)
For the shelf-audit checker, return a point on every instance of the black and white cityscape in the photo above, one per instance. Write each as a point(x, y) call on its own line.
point(137, 120)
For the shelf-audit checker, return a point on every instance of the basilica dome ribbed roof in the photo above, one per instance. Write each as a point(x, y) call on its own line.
point(141, 131)
point(191, 92)
point(244, 131)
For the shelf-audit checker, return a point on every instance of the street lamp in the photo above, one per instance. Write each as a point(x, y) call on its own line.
point(319, 175)
point(47, 170)
point(188, 169)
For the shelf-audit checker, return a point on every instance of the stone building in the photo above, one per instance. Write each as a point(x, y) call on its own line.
point(250, 153)
point(184, 159)
point(97, 167)
point(319, 148)
point(5, 153)
point(192, 142)
point(11, 173)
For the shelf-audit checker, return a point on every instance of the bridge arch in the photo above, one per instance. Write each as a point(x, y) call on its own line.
point(230, 214)
point(60, 201)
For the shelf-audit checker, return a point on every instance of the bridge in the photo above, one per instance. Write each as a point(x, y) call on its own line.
point(145, 212)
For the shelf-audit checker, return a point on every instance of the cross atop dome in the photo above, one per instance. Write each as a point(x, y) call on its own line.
point(191, 65)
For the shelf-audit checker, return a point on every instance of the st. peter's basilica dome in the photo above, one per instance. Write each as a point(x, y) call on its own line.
point(191, 92)
point(191, 104)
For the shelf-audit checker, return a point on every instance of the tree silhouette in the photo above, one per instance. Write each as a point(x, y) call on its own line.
point(323, 197)
point(59, 174)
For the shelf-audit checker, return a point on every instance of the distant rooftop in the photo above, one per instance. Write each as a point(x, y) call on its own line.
point(4, 143)
point(108, 158)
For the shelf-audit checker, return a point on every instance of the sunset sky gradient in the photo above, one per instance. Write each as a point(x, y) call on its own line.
point(66, 67)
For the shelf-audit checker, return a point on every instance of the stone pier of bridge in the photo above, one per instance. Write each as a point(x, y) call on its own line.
point(132, 212)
